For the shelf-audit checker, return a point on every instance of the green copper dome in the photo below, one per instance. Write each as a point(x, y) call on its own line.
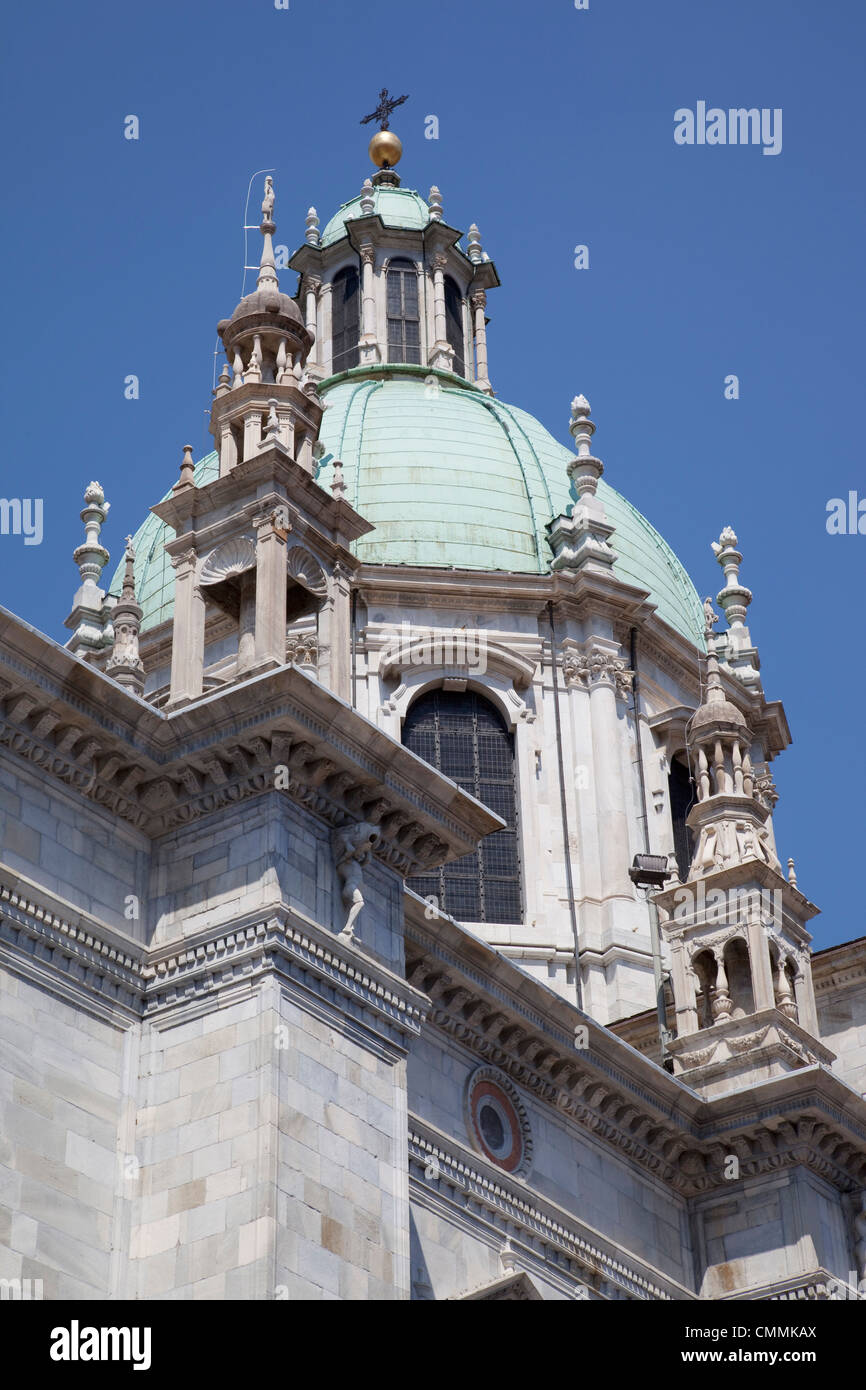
point(449, 477)
point(397, 207)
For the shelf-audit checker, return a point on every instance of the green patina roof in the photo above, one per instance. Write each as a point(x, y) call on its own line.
point(450, 478)
point(397, 207)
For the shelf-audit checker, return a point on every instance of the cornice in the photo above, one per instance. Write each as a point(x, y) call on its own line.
point(158, 772)
point(623, 1098)
point(88, 964)
point(836, 969)
point(442, 1172)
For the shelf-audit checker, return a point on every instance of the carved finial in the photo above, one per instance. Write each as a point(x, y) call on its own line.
point(792, 874)
point(580, 538)
point(435, 201)
point(368, 201)
point(88, 615)
point(338, 484)
point(93, 516)
point(187, 471)
point(225, 381)
point(585, 470)
point(312, 237)
point(734, 598)
point(473, 239)
point(267, 277)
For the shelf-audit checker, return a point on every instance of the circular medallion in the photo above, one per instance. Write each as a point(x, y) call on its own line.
point(497, 1120)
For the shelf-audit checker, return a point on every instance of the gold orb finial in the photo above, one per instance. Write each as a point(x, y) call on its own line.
point(385, 149)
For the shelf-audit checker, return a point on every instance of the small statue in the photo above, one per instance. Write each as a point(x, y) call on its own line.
point(268, 200)
point(352, 848)
point(711, 617)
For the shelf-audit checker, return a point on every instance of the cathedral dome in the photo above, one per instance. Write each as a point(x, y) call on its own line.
point(397, 207)
point(450, 478)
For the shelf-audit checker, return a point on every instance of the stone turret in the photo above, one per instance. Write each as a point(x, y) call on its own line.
point(267, 344)
point(263, 544)
point(741, 964)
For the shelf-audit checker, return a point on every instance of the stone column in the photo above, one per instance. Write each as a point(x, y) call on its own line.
point(422, 310)
point(325, 349)
point(761, 965)
point(228, 450)
point(247, 622)
point(312, 286)
point(610, 791)
point(335, 635)
point(369, 338)
point(442, 355)
point(479, 304)
point(804, 993)
point(187, 643)
point(683, 984)
point(270, 639)
point(252, 433)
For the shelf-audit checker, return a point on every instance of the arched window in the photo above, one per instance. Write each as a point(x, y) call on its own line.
point(454, 324)
point(404, 325)
point(466, 739)
point(345, 320)
point(681, 790)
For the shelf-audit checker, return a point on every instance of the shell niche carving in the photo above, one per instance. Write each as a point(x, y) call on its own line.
point(232, 557)
point(306, 570)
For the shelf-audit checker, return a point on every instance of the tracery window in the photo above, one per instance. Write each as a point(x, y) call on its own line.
point(454, 324)
point(466, 738)
point(404, 324)
point(345, 320)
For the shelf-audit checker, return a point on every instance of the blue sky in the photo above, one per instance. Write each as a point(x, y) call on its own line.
point(555, 129)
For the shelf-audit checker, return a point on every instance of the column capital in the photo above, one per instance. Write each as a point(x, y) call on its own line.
point(184, 561)
point(597, 668)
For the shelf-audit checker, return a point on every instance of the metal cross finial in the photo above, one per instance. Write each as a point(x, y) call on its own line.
point(382, 114)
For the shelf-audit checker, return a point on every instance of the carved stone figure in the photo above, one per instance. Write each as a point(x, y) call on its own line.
point(352, 848)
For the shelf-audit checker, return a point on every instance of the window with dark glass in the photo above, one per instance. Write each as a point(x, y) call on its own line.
point(681, 790)
point(466, 738)
point(454, 324)
point(404, 324)
point(345, 320)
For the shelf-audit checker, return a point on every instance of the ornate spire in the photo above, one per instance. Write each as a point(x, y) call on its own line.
point(88, 615)
point(125, 664)
point(267, 278)
point(368, 202)
point(435, 201)
point(475, 253)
